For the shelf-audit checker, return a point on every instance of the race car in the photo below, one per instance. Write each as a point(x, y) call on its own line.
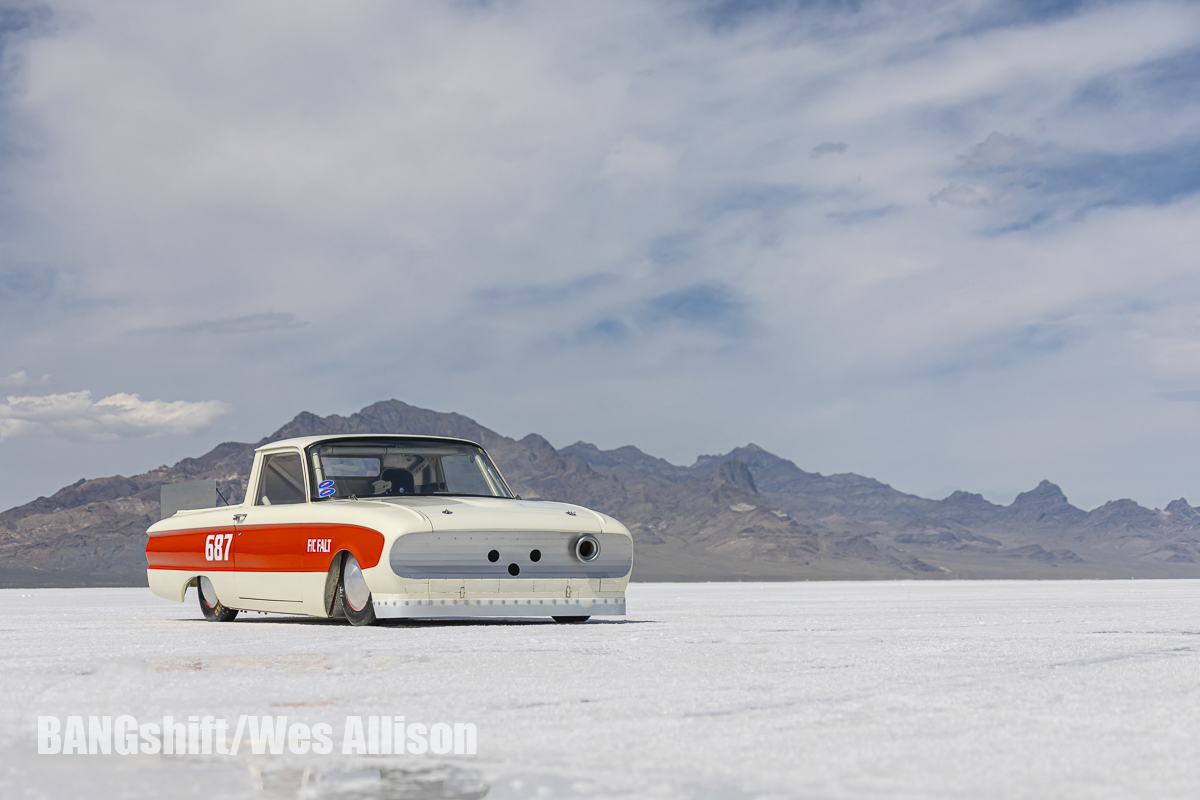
point(371, 527)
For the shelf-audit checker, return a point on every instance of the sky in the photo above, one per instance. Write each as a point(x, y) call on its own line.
point(949, 245)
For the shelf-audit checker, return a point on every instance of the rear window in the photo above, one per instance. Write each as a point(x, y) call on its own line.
point(350, 467)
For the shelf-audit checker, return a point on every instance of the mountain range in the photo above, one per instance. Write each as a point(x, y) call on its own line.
point(744, 515)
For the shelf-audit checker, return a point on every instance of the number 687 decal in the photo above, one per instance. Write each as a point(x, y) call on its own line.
point(216, 546)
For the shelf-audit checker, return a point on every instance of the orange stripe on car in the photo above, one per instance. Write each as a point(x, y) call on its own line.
point(265, 548)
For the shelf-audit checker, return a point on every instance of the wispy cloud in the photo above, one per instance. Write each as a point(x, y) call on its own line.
point(1007, 170)
point(1006, 348)
point(232, 326)
point(829, 149)
point(861, 215)
point(535, 294)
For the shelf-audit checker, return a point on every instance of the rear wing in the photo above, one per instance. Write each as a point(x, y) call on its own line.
point(187, 495)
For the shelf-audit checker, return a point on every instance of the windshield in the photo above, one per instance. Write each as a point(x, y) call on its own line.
point(396, 468)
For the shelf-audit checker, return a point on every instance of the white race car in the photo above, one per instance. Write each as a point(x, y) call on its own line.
point(379, 526)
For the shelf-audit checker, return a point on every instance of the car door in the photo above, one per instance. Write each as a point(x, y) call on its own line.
point(269, 533)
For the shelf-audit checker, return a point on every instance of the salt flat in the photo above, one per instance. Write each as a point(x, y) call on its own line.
point(824, 690)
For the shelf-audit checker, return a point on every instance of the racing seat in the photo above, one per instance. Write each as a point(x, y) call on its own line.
point(401, 480)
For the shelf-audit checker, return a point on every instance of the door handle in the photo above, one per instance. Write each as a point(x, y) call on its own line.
point(239, 518)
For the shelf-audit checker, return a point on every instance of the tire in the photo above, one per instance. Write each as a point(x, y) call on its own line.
point(214, 612)
point(353, 591)
point(570, 620)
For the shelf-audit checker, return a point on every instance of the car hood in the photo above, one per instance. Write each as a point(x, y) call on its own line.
point(500, 514)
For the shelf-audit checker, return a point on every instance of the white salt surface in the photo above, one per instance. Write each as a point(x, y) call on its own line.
point(822, 690)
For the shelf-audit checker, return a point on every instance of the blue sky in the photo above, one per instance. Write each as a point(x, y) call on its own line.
point(950, 245)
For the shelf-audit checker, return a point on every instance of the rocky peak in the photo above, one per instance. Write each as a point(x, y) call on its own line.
point(1046, 493)
point(737, 474)
point(966, 508)
point(1180, 508)
point(961, 499)
point(542, 453)
point(305, 424)
point(1045, 504)
point(1122, 516)
point(388, 416)
point(629, 464)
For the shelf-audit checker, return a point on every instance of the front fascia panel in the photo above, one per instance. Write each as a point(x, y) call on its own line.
point(465, 554)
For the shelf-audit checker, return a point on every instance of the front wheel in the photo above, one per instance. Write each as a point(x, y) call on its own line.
point(355, 594)
point(570, 620)
point(210, 605)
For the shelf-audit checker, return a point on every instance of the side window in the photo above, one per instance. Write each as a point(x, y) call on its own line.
point(282, 480)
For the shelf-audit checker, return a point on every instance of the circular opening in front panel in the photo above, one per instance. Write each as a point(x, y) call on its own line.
point(535, 556)
point(494, 556)
point(587, 548)
point(514, 570)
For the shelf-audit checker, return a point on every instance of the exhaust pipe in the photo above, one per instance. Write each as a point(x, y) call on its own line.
point(587, 548)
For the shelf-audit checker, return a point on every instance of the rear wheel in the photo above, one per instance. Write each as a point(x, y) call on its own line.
point(571, 620)
point(210, 605)
point(355, 595)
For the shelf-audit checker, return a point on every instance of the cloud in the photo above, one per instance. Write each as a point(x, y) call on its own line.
point(1007, 170)
point(829, 149)
point(636, 158)
point(250, 323)
point(74, 415)
point(608, 330)
point(997, 172)
point(543, 293)
point(1006, 348)
point(971, 194)
point(19, 380)
point(999, 149)
point(862, 215)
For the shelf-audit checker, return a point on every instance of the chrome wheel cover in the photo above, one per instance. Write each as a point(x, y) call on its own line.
point(354, 585)
point(207, 593)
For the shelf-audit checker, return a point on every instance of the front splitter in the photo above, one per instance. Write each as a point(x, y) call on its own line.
point(497, 607)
